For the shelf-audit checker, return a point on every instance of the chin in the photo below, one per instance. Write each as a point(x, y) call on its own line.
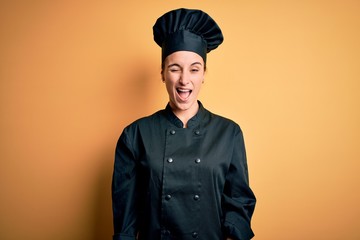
point(184, 106)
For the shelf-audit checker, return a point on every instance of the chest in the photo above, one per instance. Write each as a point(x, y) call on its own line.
point(187, 153)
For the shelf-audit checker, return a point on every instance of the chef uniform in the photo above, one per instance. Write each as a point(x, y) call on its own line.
point(176, 183)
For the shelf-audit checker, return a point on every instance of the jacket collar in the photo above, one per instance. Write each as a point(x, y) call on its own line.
point(192, 123)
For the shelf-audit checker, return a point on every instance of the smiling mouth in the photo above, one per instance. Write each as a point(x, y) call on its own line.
point(183, 93)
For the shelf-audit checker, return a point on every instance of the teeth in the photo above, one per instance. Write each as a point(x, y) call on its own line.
point(183, 90)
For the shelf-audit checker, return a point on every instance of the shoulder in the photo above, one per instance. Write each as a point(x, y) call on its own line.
point(222, 122)
point(144, 122)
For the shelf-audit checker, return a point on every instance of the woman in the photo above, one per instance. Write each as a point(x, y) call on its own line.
point(181, 173)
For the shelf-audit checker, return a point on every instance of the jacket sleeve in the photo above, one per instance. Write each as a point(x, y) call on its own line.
point(124, 192)
point(238, 199)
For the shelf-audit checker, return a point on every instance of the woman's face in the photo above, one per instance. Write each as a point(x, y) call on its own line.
point(183, 74)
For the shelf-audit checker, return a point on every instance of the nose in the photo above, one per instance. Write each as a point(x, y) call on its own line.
point(184, 78)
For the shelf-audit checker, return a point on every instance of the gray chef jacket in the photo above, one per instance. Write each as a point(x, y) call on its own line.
point(171, 182)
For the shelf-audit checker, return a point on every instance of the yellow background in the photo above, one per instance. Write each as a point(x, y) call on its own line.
point(73, 74)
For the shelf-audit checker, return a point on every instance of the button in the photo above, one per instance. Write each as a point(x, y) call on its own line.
point(166, 232)
point(172, 132)
point(196, 197)
point(168, 197)
point(194, 234)
point(197, 132)
point(198, 160)
point(170, 160)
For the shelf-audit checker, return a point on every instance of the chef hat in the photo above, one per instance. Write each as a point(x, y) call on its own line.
point(187, 30)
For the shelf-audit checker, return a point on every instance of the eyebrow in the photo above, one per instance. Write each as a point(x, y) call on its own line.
point(195, 63)
point(178, 65)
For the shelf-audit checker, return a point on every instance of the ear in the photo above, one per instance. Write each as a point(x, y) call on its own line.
point(162, 77)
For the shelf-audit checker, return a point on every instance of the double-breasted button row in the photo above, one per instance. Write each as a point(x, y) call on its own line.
point(165, 232)
point(196, 132)
point(195, 197)
point(170, 160)
point(168, 233)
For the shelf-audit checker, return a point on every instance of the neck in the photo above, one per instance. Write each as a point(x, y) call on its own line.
point(186, 115)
